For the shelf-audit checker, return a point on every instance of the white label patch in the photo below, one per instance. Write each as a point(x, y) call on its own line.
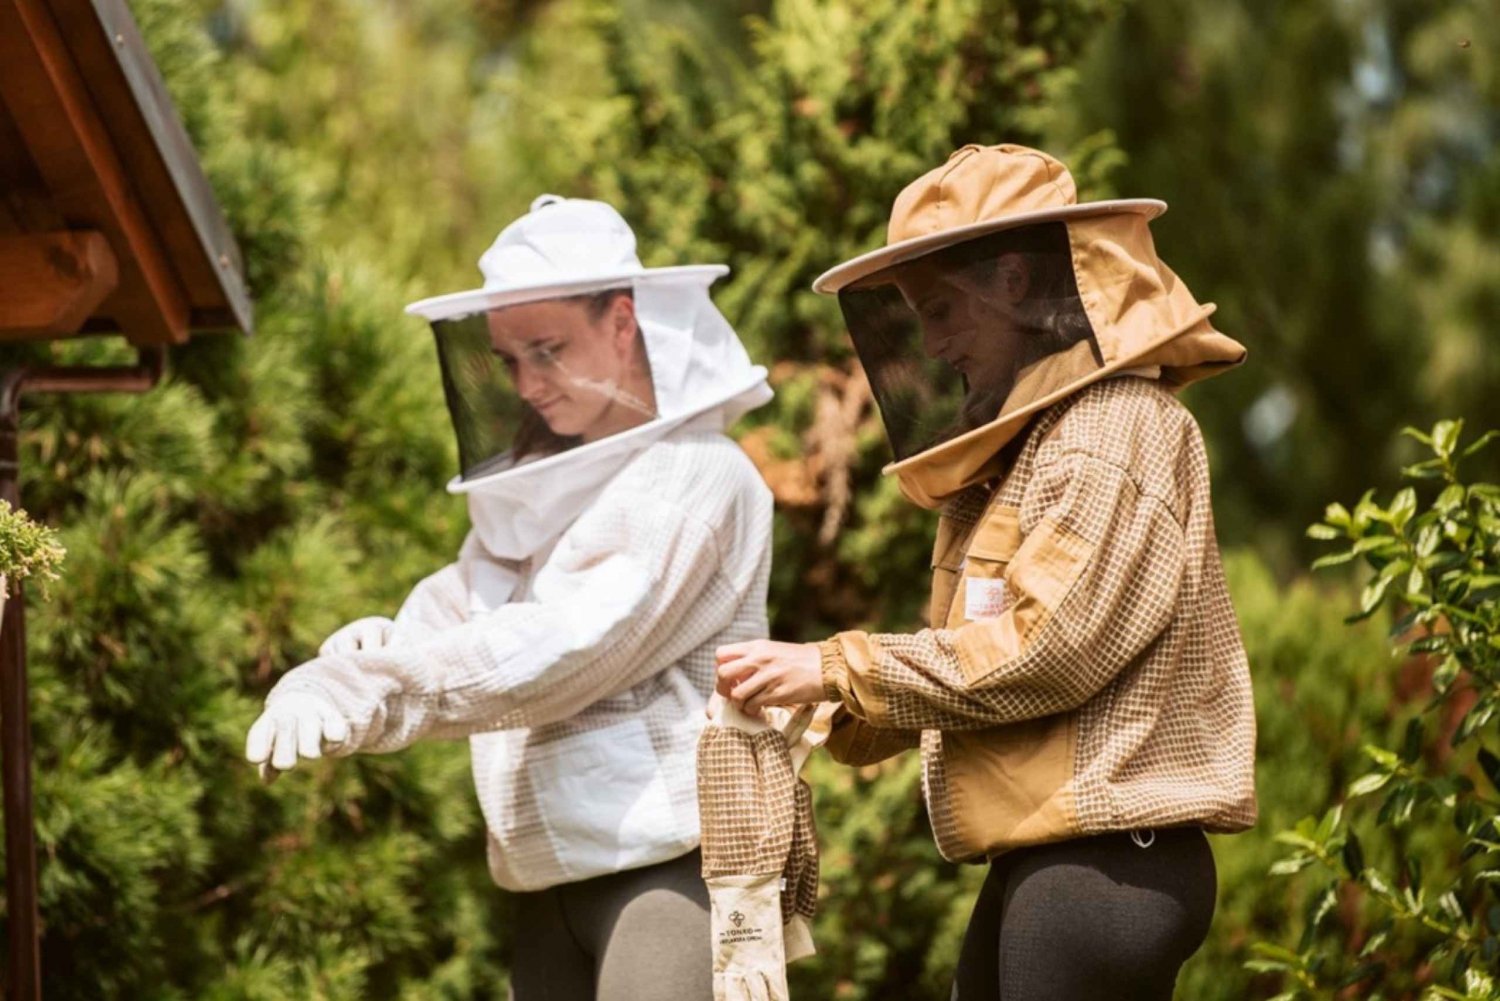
point(984, 598)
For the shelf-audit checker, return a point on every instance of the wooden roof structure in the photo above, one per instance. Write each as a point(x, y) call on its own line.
point(107, 223)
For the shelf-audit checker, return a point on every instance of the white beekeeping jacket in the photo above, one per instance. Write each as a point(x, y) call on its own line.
point(573, 640)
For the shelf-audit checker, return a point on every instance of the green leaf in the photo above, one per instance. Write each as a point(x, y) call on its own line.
point(1483, 441)
point(1366, 784)
point(1375, 941)
point(1432, 469)
point(1376, 882)
point(1491, 765)
point(1429, 644)
point(1323, 533)
point(1387, 759)
point(1411, 432)
point(1478, 715)
point(1428, 539)
point(1333, 559)
point(1445, 437)
point(1371, 597)
point(1446, 674)
point(1291, 866)
point(1451, 498)
point(1337, 515)
point(1354, 856)
point(1489, 492)
point(1403, 507)
point(1270, 950)
point(1380, 545)
point(1411, 744)
point(1329, 823)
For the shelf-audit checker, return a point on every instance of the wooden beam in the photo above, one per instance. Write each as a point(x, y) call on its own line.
point(134, 104)
point(50, 283)
point(25, 205)
point(48, 99)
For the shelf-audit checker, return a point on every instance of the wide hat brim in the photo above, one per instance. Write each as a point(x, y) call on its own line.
point(838, 278)
point(446, 307)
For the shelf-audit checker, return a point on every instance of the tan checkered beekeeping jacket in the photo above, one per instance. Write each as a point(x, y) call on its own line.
point(1085, 672)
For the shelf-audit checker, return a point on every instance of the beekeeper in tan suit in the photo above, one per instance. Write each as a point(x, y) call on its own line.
point(1082, 698)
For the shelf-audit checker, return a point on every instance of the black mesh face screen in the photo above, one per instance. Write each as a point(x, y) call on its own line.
point(944, 338)
point(540, 378)
point(482, 403)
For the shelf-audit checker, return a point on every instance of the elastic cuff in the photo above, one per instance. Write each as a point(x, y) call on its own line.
point(835, 669)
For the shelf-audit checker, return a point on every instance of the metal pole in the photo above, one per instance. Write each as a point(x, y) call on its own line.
point(23, 944)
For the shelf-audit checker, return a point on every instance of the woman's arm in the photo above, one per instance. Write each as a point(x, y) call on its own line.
point(1093, 585)
point(631, 587)
point(852, 741)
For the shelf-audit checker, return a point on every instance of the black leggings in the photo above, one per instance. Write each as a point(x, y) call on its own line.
point(1090, 918)
point(638, 935)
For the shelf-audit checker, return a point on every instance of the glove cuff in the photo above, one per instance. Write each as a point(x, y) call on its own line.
point(797, 938)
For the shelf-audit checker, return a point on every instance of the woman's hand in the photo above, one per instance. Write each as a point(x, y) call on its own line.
point(764, 673)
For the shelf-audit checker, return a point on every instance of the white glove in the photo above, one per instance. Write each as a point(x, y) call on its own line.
point(295, 725)
point(370, 633)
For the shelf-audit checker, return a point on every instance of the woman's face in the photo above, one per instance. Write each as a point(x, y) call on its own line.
point(968, 316)
point(584, 376)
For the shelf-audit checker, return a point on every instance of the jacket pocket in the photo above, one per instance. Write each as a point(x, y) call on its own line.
point(979, 590)
point(1011, 785)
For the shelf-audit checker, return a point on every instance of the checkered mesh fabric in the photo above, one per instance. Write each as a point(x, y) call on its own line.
point(966, 507)
point(801, 872)
point(1142, 644)
point(747, 801)
point(855, 742)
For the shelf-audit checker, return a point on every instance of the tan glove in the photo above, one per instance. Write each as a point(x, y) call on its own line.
point(753, 806)
point(747, 801)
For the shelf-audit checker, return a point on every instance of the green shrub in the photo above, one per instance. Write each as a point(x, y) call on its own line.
point(1405, 865)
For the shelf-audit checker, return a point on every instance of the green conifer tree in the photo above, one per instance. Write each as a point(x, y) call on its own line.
point(220, 526)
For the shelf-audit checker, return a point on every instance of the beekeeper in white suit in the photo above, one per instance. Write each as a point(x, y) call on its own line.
point(618, 538)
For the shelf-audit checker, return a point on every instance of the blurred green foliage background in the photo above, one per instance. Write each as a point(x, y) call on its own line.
point(1334, 188)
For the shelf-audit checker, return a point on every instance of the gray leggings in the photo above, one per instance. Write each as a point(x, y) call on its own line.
point(638, 935)
point(1090, 918)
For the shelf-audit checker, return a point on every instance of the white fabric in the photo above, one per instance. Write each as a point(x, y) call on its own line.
point(700, 371)
point(299, 726)
point(563, 246)
point(582, 675)
point(369, 633)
